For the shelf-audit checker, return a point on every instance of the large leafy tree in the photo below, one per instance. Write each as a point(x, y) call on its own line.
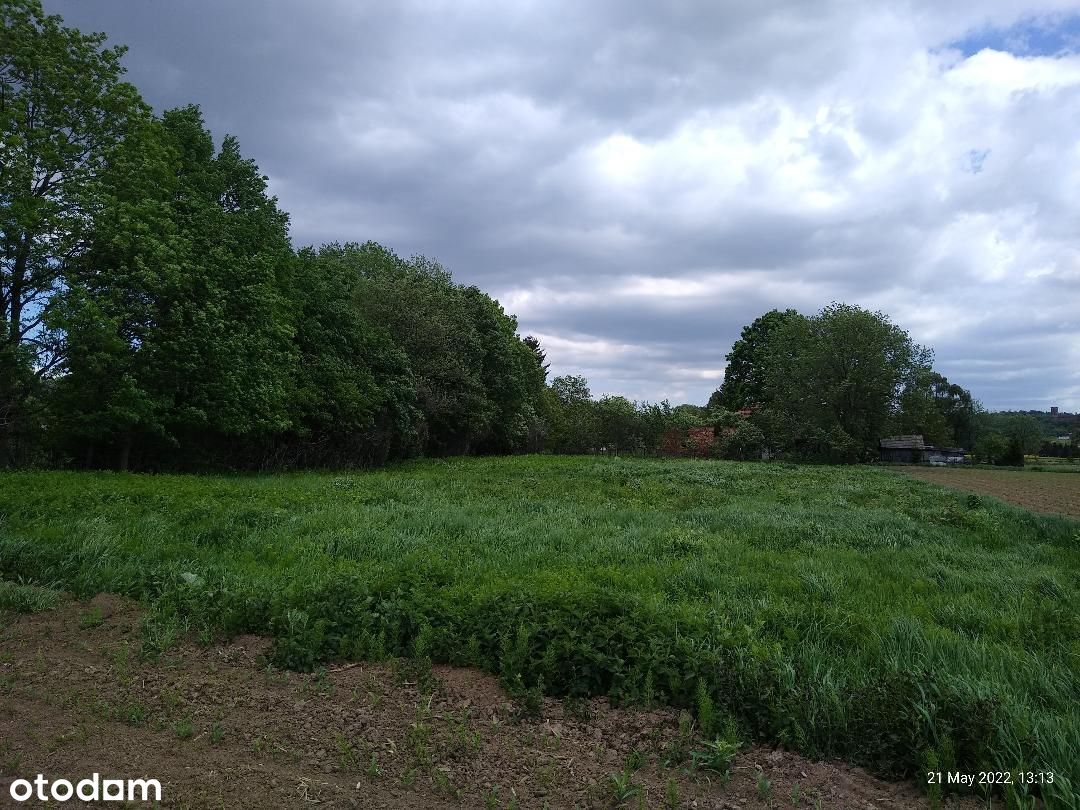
point(228, 348)
point(744, 376)
point(833, 382)
point(510, 373)
point(353, 395)
point(477, 383)
point(574, 425)
point(429, 319)
point(116, 297)
point(1017, 433)
point(64, 113)
point(181, 338)
point(619, 423)
point(539, 353)
point(942, 412)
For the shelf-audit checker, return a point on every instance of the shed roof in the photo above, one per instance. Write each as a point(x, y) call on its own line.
point(902, 443)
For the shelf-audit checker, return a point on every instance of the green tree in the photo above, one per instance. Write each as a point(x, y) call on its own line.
point(574, 428)
point(1025, 432)
point(688, 416)
point(745, 374)
point(655, 420)
point(833, 382)
point(353, 394)
point(1021, 431)
point(510, 373)
point(230, 347)
point(429, 318)
point(536, 412)
point(960, 409)
point(64, 112)
point(114, 301)
point(571, 389)
point(540, 355)
point(741, 441)
point(478, 384)
point(618, 424)
point(945, 413)
point(991, 448)
point(181, 339)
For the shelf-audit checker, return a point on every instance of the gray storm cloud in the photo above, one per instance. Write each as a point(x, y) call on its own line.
point(638, 181)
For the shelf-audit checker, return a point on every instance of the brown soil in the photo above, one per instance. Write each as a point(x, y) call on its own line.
point(1051, 493)
point(219, 728)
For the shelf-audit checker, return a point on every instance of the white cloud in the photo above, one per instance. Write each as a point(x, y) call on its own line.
point(638, 182)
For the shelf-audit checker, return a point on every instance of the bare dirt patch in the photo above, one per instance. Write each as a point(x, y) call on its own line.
point(219, 728)
point(1047, 492)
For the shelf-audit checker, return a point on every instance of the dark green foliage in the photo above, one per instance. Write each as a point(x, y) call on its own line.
point(739, 439)
point(429, 318)
point(354, 393)
point(744, 375)
point(533, 343)
point(616, 426)
point(943, 413)
point(575, 427)
point(227, 349)
point(179, 332)
point(1005, 438)
point(1014, 453)
point(511, 376)
point(154, 315)
point(991, 448)
point(1047, 425)
point(828, 387)
point(1020, 430)
point(833, 381)
point(473, 384)
point(64, 114)
point(205, 342)
point(840, 612)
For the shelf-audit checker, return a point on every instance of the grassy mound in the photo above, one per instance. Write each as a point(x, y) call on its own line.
point(845, 612)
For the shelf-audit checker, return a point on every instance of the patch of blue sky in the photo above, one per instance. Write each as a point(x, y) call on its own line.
point(1051, 35)
point(975, 160)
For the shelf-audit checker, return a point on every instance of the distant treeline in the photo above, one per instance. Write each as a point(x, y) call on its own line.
point(822, 388)
point(1006, 437)
point(825, 387)
point(156, 316)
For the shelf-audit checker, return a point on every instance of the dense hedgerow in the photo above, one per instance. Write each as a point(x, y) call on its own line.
point(840, 612)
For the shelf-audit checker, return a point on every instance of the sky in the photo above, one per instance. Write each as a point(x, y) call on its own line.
point(638, 181)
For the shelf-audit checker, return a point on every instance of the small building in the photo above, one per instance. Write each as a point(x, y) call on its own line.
point(913, 450)
point(902, 449)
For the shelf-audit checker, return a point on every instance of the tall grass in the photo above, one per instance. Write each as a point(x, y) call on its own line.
point(842, 612)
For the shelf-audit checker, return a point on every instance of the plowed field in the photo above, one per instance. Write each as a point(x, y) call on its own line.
point(1047, 492)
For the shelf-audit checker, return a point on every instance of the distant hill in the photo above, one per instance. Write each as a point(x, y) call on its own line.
point(1052, 424)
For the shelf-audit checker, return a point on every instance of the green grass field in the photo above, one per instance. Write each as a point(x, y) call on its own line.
point(848, 612)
